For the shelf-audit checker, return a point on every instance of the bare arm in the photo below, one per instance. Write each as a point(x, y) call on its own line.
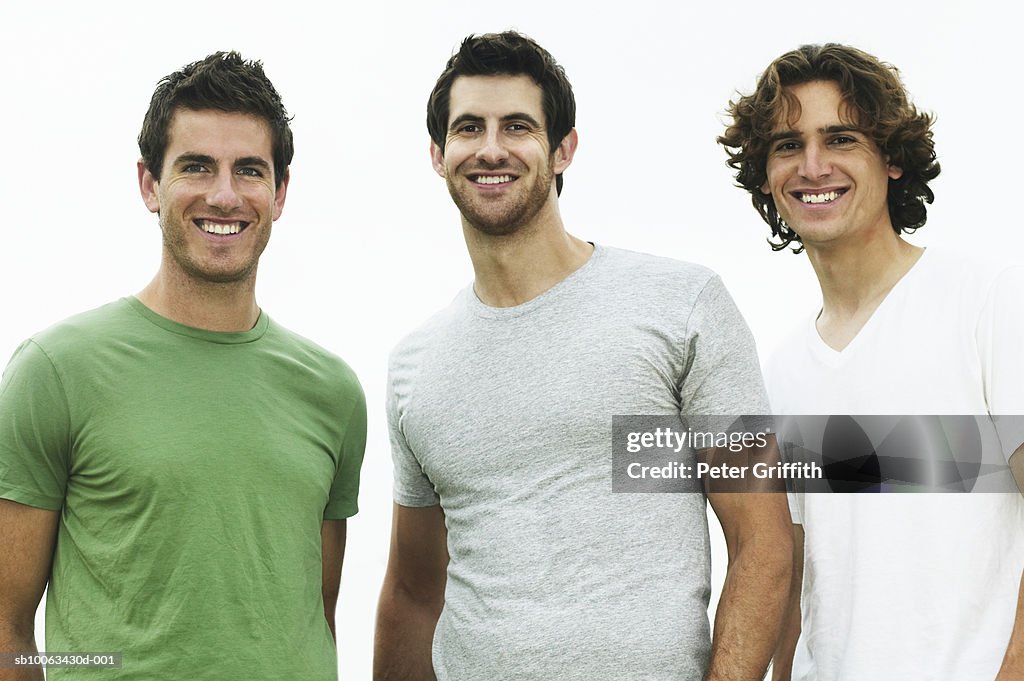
point(1012, 668)
point(782, 662)
point(1013, 662)
point(332, 543)
point(27, 535)
point(758, 534)
point(412, 596)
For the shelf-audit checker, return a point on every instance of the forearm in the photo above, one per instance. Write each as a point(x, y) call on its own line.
point(750, 613)
point(27, 535)
point(1013, 662)
point(18, 640)
point(404, 637)
point(332, 543)
point(782, 660)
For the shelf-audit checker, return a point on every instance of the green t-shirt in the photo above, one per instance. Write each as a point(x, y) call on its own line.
point(192, 471)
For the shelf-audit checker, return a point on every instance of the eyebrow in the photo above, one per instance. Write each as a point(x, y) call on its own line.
point(257, 161)
point(827, 130)
point(190, 157)
point(833, 129)
point(474, 118)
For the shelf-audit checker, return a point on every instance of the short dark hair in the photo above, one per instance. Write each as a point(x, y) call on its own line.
point(223, 81)
point(873, 91)
point(499, 54)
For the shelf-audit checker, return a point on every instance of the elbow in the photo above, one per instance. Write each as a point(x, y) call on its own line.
point(398, 596)
point(770, 556)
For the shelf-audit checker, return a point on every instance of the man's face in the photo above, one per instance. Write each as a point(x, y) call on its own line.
point(497, 161)
point(216, 195)
point(828, 178)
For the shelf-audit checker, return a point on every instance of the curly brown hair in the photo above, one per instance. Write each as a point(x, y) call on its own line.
point(875, 95)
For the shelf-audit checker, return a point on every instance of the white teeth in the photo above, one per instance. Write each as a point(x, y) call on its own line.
point(493, 179)
point(819, 198)
point(220, 228)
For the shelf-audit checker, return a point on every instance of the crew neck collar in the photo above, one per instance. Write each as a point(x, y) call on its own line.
point(569, 283)
point(221, 337)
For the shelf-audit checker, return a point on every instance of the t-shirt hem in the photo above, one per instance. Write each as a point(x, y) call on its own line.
point(414, 502)
point(32, 499)
point(340, 512)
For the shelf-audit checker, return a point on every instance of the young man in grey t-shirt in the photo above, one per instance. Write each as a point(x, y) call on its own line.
point(511, 556)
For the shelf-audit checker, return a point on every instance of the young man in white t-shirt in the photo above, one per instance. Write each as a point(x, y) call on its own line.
point(894, 586)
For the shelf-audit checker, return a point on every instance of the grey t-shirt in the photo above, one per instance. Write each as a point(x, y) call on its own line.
point(504, 417)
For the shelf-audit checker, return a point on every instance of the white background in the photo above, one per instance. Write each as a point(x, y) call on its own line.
point(369, 244)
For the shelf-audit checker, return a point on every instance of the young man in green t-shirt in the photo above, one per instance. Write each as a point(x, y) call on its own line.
point(176, 466)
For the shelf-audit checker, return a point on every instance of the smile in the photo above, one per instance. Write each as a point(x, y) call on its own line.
point(824, 197)
point(493, 179)
point(220, 227)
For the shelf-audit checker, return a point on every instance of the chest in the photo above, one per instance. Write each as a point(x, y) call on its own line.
point(174, 429)
point(537, 403)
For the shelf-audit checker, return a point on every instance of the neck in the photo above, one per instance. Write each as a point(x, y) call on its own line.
point(212, 306)
point(855, 277)
point(514, 268)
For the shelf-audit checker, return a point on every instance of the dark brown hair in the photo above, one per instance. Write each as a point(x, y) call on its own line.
point(223, 81)
point(507, 53)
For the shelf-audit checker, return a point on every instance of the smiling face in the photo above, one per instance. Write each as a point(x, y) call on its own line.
point(496, 161)
point(828, 178)
point(216, 195)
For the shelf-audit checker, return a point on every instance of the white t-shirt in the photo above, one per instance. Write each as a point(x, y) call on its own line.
point(912, 586)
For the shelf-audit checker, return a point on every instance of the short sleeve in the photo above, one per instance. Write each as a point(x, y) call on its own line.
point(343, 502)
point(412, 487)
point(34, 431)
point(1001, 343)
point(723, 375)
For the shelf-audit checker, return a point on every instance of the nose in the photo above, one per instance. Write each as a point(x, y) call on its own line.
point(223, 194)
point(815, 162)
point(492, 149)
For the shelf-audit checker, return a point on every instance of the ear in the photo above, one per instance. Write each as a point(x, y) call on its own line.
point(765, 189)
point(564, 152)
point(281, 193)
point(895, 172)
point(437, 158)
point(148, 188)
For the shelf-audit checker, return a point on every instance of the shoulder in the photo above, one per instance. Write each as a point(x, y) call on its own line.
point(71, 345)
point(959, 290)
point(654, 269)
point(85, 328)
point(971, 275)
point(435, 332)
point(653, 282)
point(310, 356)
